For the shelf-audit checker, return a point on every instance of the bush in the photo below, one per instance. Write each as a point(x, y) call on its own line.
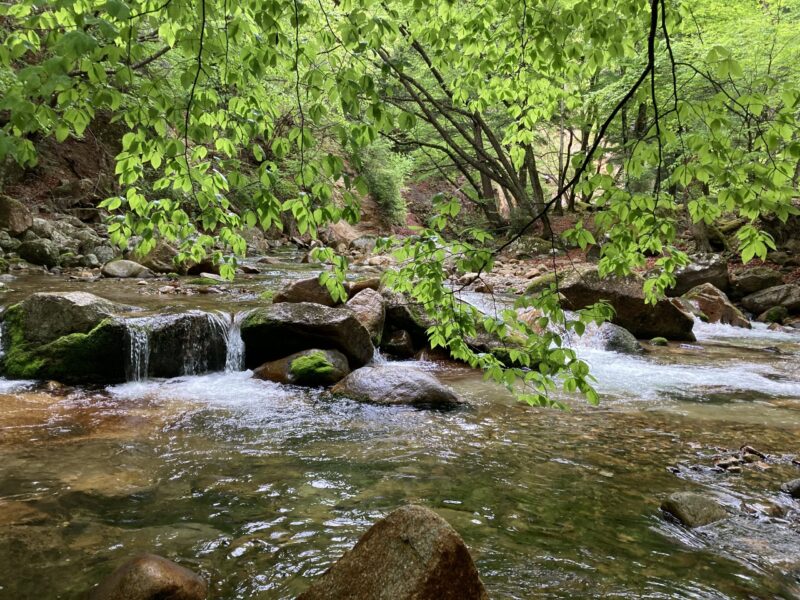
point(385, 173)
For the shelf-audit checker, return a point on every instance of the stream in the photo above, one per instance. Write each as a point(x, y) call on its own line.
point(261, 487)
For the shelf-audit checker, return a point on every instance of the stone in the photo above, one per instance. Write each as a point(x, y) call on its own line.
point(15, 218)
point(776, 314)
point(369, 308)
point(307, 368)
point(8, 243)
point(704, 268)
point(614, 338)
point(692, 509)
point(305, 290)
point(396, 385)
point(359, 285)
point(275, 331)
point(792, 488)
point(161, 259)
point(65, 336)
point(754, 280)
point(40, 252)
point(103, 252)
point(659, 341)
point(716, 306)
point(125, 269)
point(363, 245)
point(398, 344)
point(402, 313)
point(787, 296)
point(583, 287)
point(151, 577)
point(412, 554)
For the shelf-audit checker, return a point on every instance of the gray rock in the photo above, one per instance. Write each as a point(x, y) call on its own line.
point(370, 310)
point(124, 269)
point(308, 368)
point(787, 296)
point(42, 228)
point(151, 577)
point(792, 488)
point(704, 268)
point(305, 290)
point(90, 261)
point(754, 280)
point(161, 259)
point(40, 252)
point(616, 339)
point(363, 245)
point(412, 554)
point(8, 243)
point(692, 509)
point(275, 331)
point(396, 385)
point(15, 218)
point(103, 252)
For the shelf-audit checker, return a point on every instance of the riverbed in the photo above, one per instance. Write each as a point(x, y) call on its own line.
point(261, 487)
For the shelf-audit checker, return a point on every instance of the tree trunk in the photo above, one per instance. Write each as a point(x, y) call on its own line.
point(538, 192)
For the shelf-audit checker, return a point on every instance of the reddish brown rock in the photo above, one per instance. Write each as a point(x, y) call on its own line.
point(411, 554)
point(151, 577)
point(714, 304)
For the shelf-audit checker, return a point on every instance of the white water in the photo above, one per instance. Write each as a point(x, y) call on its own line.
point(231, 325)
point(138, 349)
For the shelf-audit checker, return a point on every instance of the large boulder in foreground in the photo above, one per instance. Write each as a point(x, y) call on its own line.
point(370, 310)
point(308, 368)
point(151, 577)
point(396, 385)
point(305, 290)
point(715, 306)
point(787, 296)
point(276, 331)
point(584, 287)
point(692, 509)
point(67, 336)
point(704, 268)
point(412, 554)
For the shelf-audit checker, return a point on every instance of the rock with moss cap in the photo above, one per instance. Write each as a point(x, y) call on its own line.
point(66, 336)
point(308, 368)
point(692, 509)
point(412, 554)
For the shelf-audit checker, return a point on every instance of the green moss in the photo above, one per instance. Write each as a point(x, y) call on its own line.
point(267, 295)
point(204, 281)
point(659, 341)
point(776, 314)
point(311, 366)
point(541, 283)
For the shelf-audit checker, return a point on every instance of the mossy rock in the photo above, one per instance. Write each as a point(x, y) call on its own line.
point(776, 314)
point(308, 368)
point(267, 295)
point(96, 356)
point(205, 281)
point(541, 283)
point(659, 341)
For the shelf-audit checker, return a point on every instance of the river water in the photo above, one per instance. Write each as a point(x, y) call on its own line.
point(261, 487)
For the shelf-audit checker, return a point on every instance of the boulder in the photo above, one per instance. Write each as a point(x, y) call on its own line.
point(275, 331)
point(776, 314)
point(308, 368)
point(359, 285)
point(103, 252)
point(754, 280)
point(370, 310)
point(8, 243)
point(69, 337)
point(704, 268)
point(396, 385)
point(402, 313)
point(787, 296)
point(161, 259)
point(151, 577)
point(692, 509)
point(398, 344)
point(15, 218)
point(583, 287)
point(305, 290)
point(124, 269)
point(40, 252)
point(714, 304)
point(412, 554)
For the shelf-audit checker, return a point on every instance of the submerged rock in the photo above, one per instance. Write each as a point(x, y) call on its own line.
point(714, 304)
point(396, 385)
point(412, 554)
point(124, 269)
point(692, 509)
point(370, 310)
point(309, 368)
point(151, 577)
point(273, 332)
point(305, 290)
point(584, 287)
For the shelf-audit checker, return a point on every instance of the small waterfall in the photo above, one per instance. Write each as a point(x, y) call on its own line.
point(231, 327)
point(378, 358)
point(138, 350)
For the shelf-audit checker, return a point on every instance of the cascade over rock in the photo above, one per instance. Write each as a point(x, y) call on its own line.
point(412, 554)
point(276, 331)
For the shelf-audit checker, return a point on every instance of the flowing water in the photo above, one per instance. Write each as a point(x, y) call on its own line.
point(261, 487)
